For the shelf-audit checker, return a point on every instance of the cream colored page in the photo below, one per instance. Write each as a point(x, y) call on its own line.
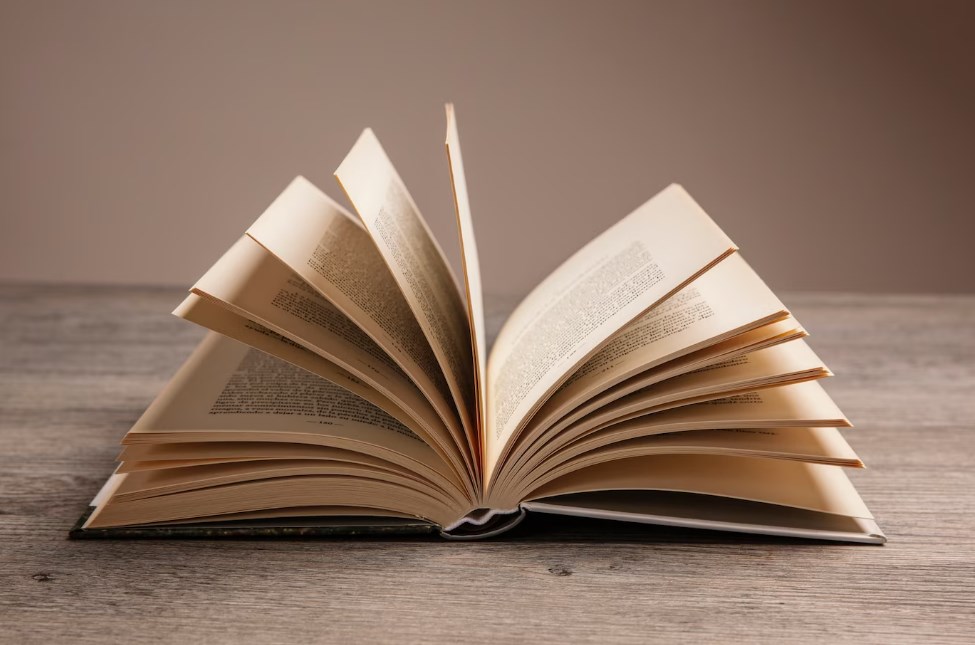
point(725, 300)
point(811, 486)
point(771, 335)
point(548, 441)
point(614, 279)
point(208, 314)
point(812, 445)
point(230, 389)
point(328, 247)
point(252, 282)
point(797, 405)
point(144, 457)
point(216, 317)
point(380, 490)
point(472, 266)
point(228, 451)
point(698, 401)
point(416, 262)
point(149, 484)
point(815, 445)
point(148, 457)
point(774, 365)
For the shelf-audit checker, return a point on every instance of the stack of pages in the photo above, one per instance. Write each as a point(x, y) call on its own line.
point(346, 387)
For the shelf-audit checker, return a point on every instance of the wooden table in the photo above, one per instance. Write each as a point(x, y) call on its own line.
point(79, 364)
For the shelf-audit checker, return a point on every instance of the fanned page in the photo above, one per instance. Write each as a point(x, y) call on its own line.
point(636, 264)
point(340, 449)
point(330, 250)
point(727, 301)
point(472, 268)
point(416, 262)
point(813, 487)
point(251, 283)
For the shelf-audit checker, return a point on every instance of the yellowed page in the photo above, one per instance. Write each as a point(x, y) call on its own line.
point(216, 317)
point(148, 484)
point(771, 335)
point(725, 301)
point(636, 264)
point(280, 496)
point(227, 391)
point(238, 451)
point(795, 405)
point(472, 269)
point(738, 345)
point(253, 283)
point(786, 363)
point(811, 445)
point(775, 481)
point(329, 248)
point(175, 456)
point(417, 264)
point(143, 457)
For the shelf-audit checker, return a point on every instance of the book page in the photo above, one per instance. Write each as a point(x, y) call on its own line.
point(636, 264)
point(472, 268)
point(251, 282)
point(149, 457)
point(771, 335)
point(227, 391)
point(329, 248)
point(284, 496)
point(755, 372)
point(727, 300)
point(815, 487)
point(782, 364)
point(796, 405)
point(168, 481)
point(207, 313)
point(416, 262)
point(218, 318)
point(811, 445)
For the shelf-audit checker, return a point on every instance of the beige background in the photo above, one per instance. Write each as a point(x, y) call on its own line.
point(832, 140)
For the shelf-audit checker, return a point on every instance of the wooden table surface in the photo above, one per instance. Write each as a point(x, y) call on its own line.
point(79, 364)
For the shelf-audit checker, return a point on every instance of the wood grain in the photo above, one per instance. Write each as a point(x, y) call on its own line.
point(79, 364)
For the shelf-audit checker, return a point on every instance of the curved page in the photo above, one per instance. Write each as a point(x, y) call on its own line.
point(472, 269)
point(814, 487)
point(250, 281)
point(416, 262)
point(636, 264)
point(216, 317)
point(725, 301)
point(811, 445)
point(227, 391)
point(323, 243)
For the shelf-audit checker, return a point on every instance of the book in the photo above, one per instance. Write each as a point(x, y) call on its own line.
point(345, 385)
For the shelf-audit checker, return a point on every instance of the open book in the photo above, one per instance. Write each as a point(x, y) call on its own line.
point(346, 385)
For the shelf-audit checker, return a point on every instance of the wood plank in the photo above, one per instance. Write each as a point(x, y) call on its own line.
point(79, 364)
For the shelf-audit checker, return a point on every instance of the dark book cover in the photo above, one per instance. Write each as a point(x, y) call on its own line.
point(308, 527)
